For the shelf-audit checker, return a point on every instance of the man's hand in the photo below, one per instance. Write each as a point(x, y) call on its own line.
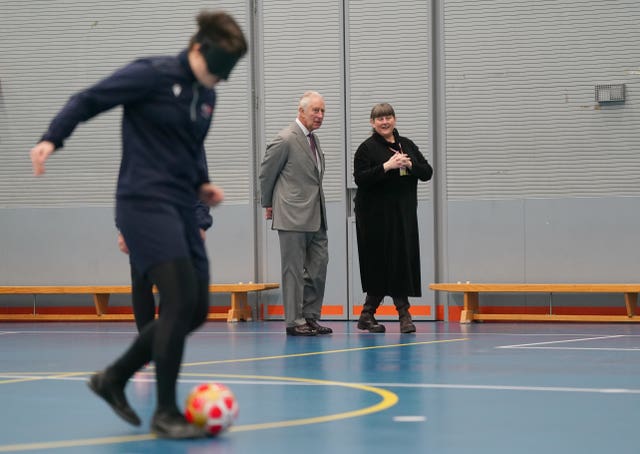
point(211, 194)
point(268, 213)
point(39, 155)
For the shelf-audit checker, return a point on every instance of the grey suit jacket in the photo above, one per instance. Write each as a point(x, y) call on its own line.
point(291, 183)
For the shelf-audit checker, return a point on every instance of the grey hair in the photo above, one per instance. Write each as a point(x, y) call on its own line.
point(306, 98)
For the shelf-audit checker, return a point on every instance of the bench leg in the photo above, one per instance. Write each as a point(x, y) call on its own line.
point(631, 300)
point(101, 300)
point(240, 309)
point(471, 306)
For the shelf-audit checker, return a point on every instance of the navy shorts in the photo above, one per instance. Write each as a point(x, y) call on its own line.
point(158, 232)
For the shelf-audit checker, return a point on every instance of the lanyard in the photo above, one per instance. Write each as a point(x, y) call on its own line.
point(403, 170)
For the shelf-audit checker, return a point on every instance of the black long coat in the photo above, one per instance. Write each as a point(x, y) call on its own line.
point(386, 217)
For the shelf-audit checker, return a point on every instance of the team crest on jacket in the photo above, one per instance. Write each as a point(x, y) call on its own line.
point(206, 110)
point(176, 89)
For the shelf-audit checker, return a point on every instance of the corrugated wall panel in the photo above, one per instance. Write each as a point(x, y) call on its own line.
point(521, 120)
point(74, 44)
point(388, 60)
point(303, 45)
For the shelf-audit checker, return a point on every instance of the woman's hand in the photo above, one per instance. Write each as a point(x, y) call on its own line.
point(211, 195)
point(122, 244)
point(397, 161)
point(39, 154)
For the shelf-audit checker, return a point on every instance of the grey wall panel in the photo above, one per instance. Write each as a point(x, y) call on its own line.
point(570, 240)
point(50, 246)
point(388, 59)
point(51, 49)
point(394, 70)
point(582, 240)
point(59, 229)
point(230, 244)
point(78, 246)
point(302, 50)
point(486, 241)
point(521, 116)
point(545, 240)
point(427, 251)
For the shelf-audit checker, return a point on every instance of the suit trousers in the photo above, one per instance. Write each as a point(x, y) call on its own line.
point(304, 257)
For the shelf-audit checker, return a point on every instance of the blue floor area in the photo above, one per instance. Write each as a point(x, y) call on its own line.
point(450, 388)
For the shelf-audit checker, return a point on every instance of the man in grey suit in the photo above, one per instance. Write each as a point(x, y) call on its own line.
point(291, 186)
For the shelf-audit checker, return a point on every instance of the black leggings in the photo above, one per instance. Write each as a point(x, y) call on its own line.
point(142, 300)
point(185, 304)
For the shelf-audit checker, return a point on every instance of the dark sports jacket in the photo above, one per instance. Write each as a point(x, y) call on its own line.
point(166, 117)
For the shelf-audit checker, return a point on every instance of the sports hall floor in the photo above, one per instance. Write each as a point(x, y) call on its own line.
point(481, 388)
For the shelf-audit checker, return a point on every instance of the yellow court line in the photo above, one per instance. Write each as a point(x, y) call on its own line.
point(75, 443)
point(46, 376)
point(388, 399)
point(326, 352)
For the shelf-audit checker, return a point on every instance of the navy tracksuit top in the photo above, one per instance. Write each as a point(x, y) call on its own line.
point(166, 117)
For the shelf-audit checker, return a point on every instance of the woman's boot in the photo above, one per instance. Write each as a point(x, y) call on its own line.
point(367, 321)
point(402, 306)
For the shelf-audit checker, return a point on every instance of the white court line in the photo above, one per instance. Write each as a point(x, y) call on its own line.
point(409, 418)
point(204, 331)
point(564, 389)
point(536, 344)
point(134, 332)
point(509, 388)
point(580, 348)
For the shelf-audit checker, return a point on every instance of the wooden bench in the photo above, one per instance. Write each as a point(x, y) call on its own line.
point(471, 300)
point(239, 310)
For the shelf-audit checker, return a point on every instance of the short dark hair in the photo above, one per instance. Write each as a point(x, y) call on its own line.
point(221, 29)
point(382, 110)
point(221, 40)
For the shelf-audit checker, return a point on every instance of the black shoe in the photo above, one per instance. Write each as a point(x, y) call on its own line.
point(113, 394)
point(301, 330)
point(368, 322)
point(319, 328)
point(175, 426)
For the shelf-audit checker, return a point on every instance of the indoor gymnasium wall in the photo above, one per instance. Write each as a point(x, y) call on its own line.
point(301, 49)
point(388, 58)
point(537, 182)
point(59, 229)
point(542, 182)
point(336, 47)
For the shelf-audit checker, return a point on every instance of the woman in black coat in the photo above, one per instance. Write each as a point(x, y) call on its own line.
point(387, 168)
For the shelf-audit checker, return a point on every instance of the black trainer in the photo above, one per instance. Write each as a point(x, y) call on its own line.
point(113, 395)
point(174, 426)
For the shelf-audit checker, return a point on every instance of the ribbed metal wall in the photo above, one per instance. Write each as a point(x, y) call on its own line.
point(521, 117)
point(51, 49)
point(388, 60)
point(303, 50)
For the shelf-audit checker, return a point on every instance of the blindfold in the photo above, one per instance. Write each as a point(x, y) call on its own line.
point(219, 61)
